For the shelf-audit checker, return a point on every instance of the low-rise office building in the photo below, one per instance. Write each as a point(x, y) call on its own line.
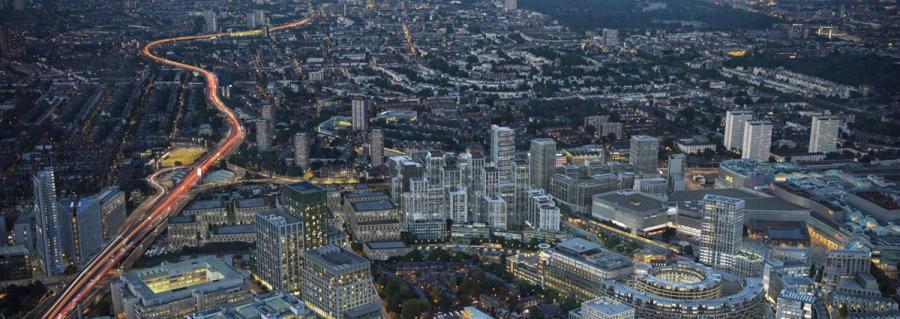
point(384, 250)
point(245, 209)
point(602, 308)
point(231, 234)
point(577, 267)
point(184, 231)
point(634, 210)
point(425, 229)
point(209, 212)
point(178, 289)
point(277, 305)
point(15, 263)
point(374, 220)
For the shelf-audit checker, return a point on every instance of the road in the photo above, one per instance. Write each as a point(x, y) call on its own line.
point(133, 234)
point(148, 203)
point(137, 214)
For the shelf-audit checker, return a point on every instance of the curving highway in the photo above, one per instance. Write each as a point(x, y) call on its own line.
point(137, 229)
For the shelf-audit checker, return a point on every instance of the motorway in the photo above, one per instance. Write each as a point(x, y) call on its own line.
point(134, 232)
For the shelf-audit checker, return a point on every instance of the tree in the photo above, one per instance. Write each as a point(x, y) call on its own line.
point(569, 303)
point(590, 130)
point(708, 154)
point(668, 234)
point(413, 308)
point(413, 255)
point(438, 254)
point(688, 251)
point(434, 294)
point(885, 284)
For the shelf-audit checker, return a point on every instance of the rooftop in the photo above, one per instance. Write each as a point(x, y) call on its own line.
point(305, 188)
point(386, 244)
point(175, 281)
point(181, 219)
point(205, 204)
point(251, 202)
point(579, 246)
point(592, 253)
point(697, 195)
point(278, 215)
point(372, 205)
point(636, 202)
point(18, 250)
point(363, 311)
point(335, 257)
point(364, 194)
point(607, 306)
point(236, 229)
point(724, 199)
point(276, 305)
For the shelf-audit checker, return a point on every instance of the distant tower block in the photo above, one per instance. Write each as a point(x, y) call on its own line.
point(675, 176)
point(376, 147)
point(734, 128)
point(824, 134)
point(359, 114)
point(301, 150)
point(757, 140)
point(263, 140)
point(644, 153)
point(510, 5)
point(210, 25)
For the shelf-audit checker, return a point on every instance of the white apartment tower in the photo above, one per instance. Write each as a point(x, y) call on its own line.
point(542, 161)
point(376, 147)
point(757, 140)
point(264, 128)
point(675, 174)
point(721, 231)
point(503, 148)
point(495, 209)
point(301, 150)
point(279, 250)
point(263, 139)
point(644, 153)
point(359, 119)
point(823, 134)
point(458, 205)
point(734, 128)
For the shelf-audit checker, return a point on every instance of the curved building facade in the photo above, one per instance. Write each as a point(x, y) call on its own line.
point(688, 290)
point(683, 281)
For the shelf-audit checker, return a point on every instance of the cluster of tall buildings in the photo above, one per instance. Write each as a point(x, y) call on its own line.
point(296, 254)
point(256, 19)
point(359, 120)
point(508, 190)
point(753, 138)
point(69, 231)
point(501, 190)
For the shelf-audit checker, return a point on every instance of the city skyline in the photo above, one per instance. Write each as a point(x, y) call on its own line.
point(467, 159)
